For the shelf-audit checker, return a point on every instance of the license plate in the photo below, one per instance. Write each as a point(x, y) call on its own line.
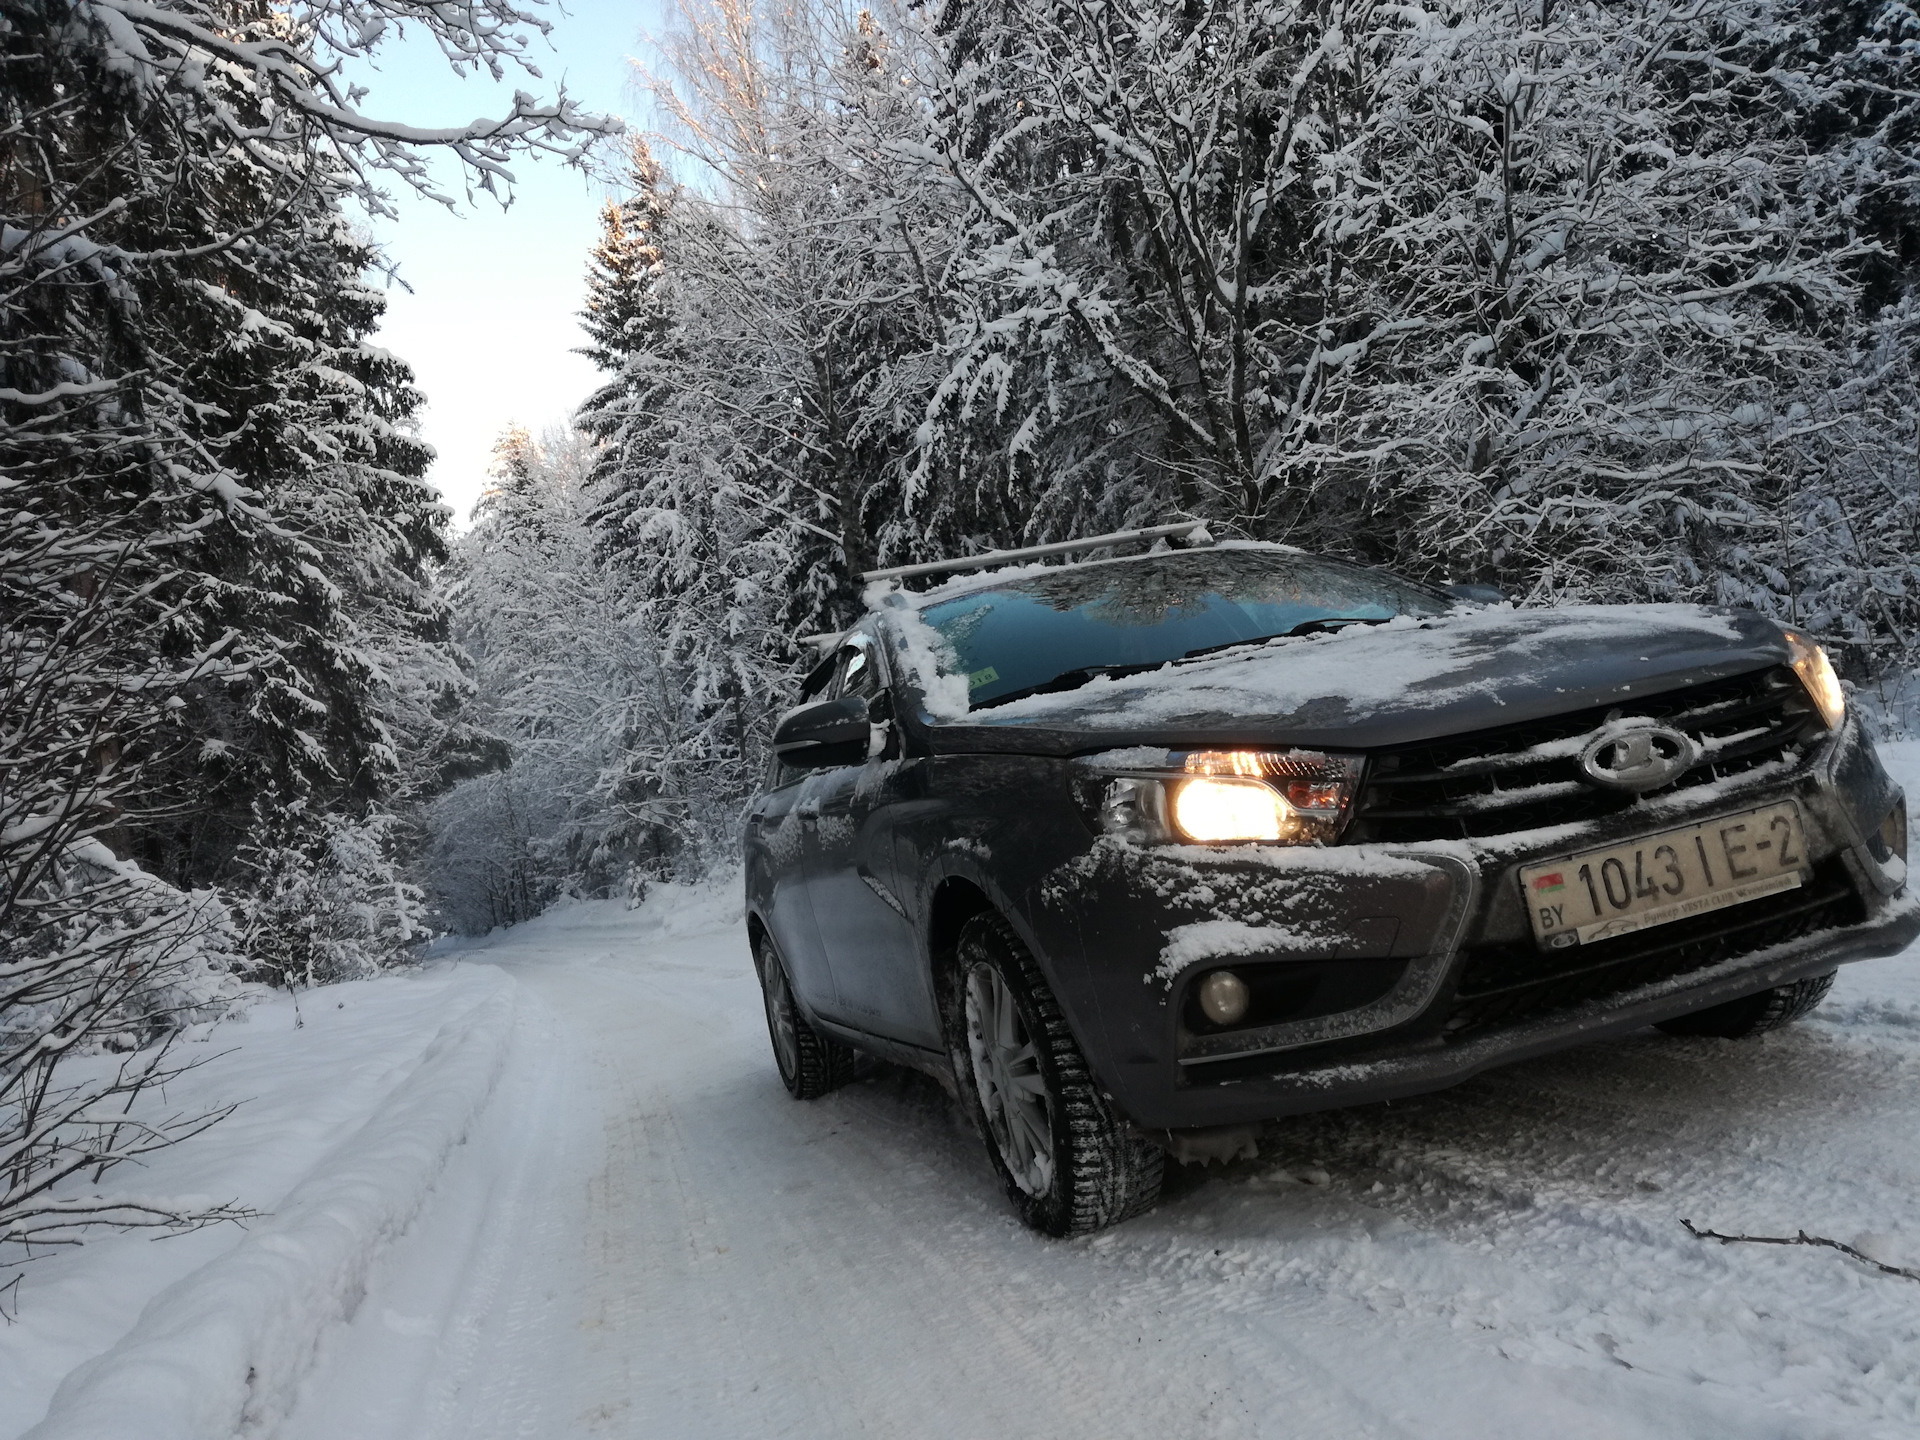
point(1660, 878)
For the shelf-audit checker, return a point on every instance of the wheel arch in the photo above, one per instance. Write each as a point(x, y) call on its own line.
point(757, 932)
point(955, 900)
point(957, 895)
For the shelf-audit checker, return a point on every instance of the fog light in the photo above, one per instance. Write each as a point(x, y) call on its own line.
point(1224, 997)
point(1893, 832)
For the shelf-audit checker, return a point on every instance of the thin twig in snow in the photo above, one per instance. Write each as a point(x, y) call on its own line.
point(1801, 1238)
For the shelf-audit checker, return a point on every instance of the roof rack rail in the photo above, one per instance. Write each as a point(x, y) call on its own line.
point(1036, 552)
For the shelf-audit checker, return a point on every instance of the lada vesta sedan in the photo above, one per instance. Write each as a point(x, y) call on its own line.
point(1138, 853)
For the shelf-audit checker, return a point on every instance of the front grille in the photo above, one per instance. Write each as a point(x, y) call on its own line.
point(1501, 984)
point(1522, 777)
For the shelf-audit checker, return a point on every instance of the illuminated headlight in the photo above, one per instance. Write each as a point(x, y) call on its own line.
point(1226, 797)
point(1816, 672)
point(1211, 810)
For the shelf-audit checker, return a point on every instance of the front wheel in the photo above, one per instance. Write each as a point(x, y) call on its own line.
point(1067, 1162)
point(1754, 1014)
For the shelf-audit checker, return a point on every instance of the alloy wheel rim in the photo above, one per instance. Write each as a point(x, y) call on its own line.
point(786, 1044)
point(1006, 1076)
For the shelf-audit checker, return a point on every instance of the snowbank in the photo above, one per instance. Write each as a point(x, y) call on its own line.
point(223, 1348)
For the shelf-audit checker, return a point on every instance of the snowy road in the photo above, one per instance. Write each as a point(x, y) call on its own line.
point(645, 1237)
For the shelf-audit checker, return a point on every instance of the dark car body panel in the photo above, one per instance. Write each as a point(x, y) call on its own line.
point(991, 804)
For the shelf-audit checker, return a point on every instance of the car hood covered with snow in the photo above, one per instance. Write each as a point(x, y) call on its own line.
point(1396, 683)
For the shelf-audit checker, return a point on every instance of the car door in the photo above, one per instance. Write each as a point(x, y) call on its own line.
point(862, 919)
point(779, 832)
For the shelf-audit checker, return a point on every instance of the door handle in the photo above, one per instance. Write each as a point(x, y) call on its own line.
point(808, 813)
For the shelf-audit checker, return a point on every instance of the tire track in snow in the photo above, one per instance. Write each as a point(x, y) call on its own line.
point(1582, 1156)
point(792, 1259)
point(706, 1257)
point(463, 1287)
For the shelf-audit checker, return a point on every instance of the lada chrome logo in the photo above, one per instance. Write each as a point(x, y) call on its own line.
point(1638, 756)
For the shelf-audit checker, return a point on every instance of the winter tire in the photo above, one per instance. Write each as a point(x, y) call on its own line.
point(1754, 1014)
point(810, 1064)
point(1067, 1162)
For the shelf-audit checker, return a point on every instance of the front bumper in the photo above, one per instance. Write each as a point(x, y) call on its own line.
point(1435, 1063)
point(1141, 925)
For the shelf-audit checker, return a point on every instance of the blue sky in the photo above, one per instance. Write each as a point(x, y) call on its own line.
point(489, 326)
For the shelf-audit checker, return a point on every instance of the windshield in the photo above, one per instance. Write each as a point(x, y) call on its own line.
point(1055, 631)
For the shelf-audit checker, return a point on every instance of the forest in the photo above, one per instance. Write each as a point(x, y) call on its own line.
point(1593, 302)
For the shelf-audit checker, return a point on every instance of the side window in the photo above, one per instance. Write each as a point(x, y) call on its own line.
point(819, 684)
point(778, 774)
point(859, 676)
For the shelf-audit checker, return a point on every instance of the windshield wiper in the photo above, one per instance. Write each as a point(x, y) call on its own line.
point(1068, 680)
point(1074, 679)
point(1305, 627)
point(1333, 622)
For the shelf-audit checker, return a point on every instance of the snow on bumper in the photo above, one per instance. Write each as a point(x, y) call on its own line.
point(1378, 940)
point(1437, 1064)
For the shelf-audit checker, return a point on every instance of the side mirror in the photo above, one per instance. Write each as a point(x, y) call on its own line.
point(827, 732)
point(1477, 594)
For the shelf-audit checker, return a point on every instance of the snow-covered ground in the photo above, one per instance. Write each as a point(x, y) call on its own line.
point(643, 1236)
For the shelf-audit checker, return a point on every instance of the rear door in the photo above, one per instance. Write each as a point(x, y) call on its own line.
point(856, 894)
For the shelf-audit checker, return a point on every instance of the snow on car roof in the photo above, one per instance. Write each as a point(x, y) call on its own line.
point(883, 593)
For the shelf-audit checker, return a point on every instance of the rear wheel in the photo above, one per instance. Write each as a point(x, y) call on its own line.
point(1067, 1162)
point(1754, 1014)
point(810, 1063)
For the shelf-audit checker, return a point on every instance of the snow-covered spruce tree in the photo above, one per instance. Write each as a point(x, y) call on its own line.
point(631, 337)
point(594, 789)
point(809, 259)
point(1560, 295)
point(326, 899)
point(678, 493)
point(1586, 311)
point(1847, 549)
point(770, 336)
point(193, 433)
point(198, 165)
point(1137, 198)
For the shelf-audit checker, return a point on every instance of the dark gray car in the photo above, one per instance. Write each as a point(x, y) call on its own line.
point(1136, 854)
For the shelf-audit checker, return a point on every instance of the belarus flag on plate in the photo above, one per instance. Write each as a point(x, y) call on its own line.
point(1549, 882)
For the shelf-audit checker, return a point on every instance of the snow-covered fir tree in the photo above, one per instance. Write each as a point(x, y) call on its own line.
point(1574, 298)
point(770, 337)
point(216, 606)
point(1595, 302)
point(595, 786)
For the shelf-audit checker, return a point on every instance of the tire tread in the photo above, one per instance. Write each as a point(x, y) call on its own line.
point(1110, 1173)
point(1755, 1014)
point(824, 1064)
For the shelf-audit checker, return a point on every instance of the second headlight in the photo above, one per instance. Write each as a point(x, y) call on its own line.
point(1817, 674)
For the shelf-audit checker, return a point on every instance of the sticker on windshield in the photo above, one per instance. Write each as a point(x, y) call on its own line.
point(982, 677)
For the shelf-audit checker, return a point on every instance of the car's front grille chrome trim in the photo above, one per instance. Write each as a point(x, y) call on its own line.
point(1523, 777)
